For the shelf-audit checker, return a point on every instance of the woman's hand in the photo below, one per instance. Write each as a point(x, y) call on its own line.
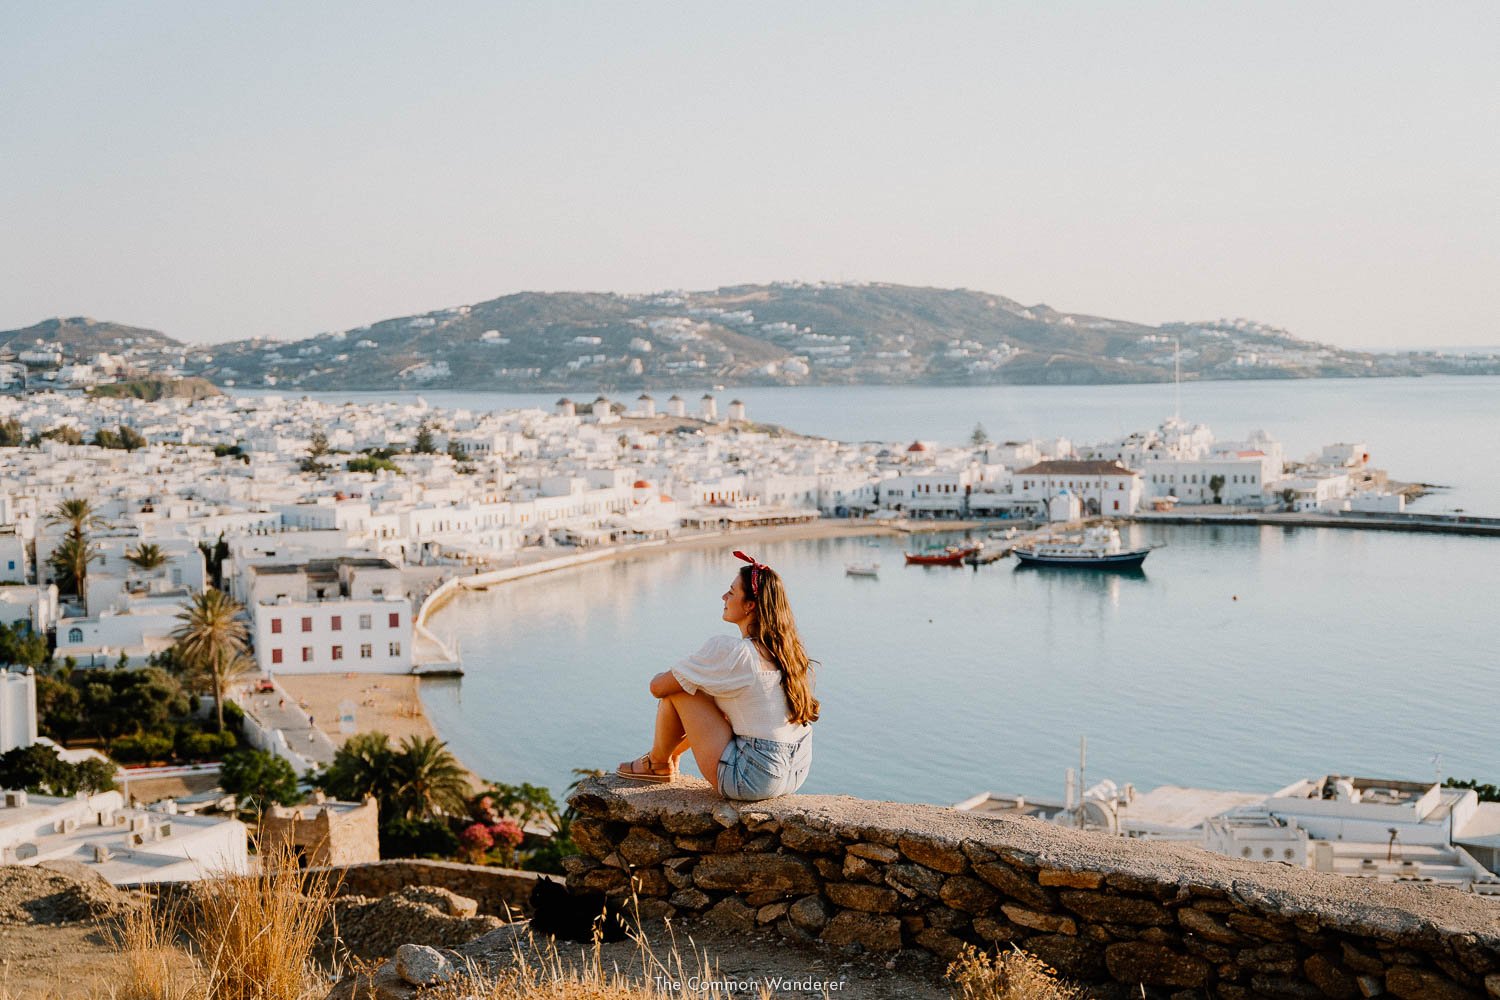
point(664, 684)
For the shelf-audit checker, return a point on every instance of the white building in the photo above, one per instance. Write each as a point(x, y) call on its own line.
point(1103, 488)
point(330, 616)
point(126, 846)
point(17, 709)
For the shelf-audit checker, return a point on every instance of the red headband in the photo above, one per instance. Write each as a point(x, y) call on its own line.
point(755, 569)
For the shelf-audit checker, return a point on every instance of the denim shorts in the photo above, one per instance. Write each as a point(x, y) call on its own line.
point(754, 768)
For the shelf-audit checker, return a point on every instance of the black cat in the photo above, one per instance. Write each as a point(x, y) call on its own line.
point(571, 916)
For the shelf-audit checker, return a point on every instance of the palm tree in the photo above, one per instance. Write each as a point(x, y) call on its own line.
point(360, 768)
point(211, 638)
point(70, 563)
point(426, 779)
point(77, 513)
point(147, 556)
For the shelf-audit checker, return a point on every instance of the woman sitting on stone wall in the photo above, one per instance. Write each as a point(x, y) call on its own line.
point(743, 706)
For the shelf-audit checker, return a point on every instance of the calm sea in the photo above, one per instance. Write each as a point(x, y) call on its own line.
point(1443, 430)
point(1241, 658)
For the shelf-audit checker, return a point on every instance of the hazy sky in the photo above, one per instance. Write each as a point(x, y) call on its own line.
point(219, 171)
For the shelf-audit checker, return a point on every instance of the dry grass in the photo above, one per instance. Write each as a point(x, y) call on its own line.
point(152, 963)
point(1012, 975)
point(540, 973)
point(252, 937)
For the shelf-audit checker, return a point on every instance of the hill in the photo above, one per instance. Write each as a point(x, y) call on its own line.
point(789, 333)
point(786, 333)
point(82, 336)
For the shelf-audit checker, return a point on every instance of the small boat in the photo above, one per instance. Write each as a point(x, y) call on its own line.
point(1097, 548)
point(862, 569)
point(952, 555)
point(1003, 536)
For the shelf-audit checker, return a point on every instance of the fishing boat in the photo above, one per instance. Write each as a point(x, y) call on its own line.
point(862, 569)
point(952, 555)
point(1097, 548)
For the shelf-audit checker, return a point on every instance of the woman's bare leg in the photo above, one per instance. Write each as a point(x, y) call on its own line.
point(696, 720)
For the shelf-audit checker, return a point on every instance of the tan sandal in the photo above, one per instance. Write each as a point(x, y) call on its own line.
point(643, 768)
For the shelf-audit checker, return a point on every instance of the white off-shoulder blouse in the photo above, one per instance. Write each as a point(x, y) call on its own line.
point(746, 685)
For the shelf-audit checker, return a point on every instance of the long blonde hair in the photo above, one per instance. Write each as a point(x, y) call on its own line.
point(775, 632)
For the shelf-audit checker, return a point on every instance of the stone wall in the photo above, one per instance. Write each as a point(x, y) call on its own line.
point(881, 876)
point(494, 889)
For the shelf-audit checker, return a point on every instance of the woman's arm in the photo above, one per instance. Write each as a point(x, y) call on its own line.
point(664, 684)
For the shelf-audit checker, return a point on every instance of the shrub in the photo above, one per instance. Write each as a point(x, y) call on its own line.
point(1013, 975)
point(258, 778)
point(141, 749)
point(201, 746)
point(417, 838)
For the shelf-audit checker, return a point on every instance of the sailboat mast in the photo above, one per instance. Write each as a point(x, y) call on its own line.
point(1177, 379)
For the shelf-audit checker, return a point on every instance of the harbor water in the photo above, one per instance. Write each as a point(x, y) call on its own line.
point(1241, 657)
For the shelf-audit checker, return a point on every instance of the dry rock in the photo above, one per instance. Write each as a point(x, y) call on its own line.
point(731, 914)
point(1051, 923)
point(859, 896)
point(874, 852)
point(1015, 885)
point(875, 932)
point(1069, 880)
point(1197, 922)
point(1106, 909)
point(942, 857)
point(810, 913)
point(1412, 982)
point(749, 872)
point(1154, 965)
point(968, 894)
point(420, 965)
point(644, 848)
point(796, 837)
point(1326, 974)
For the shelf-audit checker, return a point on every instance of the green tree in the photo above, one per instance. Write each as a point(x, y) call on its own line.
point(22, 647)
point(1216, 484)
point(360, 768)
point(40, 769)
point(65, 433)
point(114, 703)
point(372, 464)
point(427, 780)
point(131, 439)
point(979, 438)
point(37, 768)
point(70, 563)
point(211, 638)
point(106, 438)
point(1288, 498)
point(424, 444)
point(213, 559)
point(1487, 792)
point(258, 779)
point(456, 452)
point(12, 434)
point(317, 447)
point(147, 556)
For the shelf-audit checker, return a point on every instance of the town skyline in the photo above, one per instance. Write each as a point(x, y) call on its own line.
point(284, 171)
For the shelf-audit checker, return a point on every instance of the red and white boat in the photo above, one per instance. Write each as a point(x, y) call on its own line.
point(953, 555)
